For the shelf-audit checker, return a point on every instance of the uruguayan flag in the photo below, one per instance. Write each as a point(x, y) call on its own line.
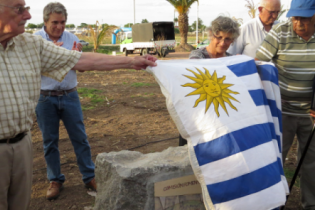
point(229, 111)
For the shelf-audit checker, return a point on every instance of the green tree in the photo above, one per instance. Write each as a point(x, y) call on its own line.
point(31, 25)
point(98, 33)
point(104, 25)
point(200, 25)
point(175, 21)
point(83, 25)
point(128, 25)
point(70, 26)
point(40, 25)
point(182, 7)
point(144, 21)
point(252, 8)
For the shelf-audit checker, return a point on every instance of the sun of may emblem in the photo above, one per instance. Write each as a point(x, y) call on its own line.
point(211, 89)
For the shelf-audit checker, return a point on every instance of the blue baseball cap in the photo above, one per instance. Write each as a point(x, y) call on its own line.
point(302, 8)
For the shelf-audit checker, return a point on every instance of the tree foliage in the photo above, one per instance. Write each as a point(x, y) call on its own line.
point(182, 7)
point(144, 21)
point(70, 26)
point(128, 25)
point(175, 21)
point(83, 25)
point(98, 33)
point(252, 8)
point(200, 25)
point(31, 25)
point(40, 25)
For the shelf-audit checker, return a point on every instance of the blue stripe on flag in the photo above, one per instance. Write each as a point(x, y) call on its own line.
point(275, 112)
point(232, 143)
point(268, 73)
point(259, 97)
point(274, 135)
point(243, 69)
point(245, 185)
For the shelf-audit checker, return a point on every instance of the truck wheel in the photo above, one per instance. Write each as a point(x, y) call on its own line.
point(144, 51)
point(164, 52)
point(126, 52)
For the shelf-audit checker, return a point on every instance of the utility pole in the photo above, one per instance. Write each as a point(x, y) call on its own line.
point(134, 12)
point(197, 24)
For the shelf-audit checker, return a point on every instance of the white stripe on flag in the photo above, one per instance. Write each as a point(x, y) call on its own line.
point(266, 199)
point(239, 164)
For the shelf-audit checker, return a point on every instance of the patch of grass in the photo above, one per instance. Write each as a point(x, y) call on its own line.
point(145, 95)
point(93, 95)
point(141, 84)
point(289, 173)
point(102, 49)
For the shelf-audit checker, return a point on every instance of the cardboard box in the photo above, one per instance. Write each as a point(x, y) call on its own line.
point(182, 193)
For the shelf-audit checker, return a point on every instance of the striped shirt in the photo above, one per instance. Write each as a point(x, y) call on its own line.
point(294, 58)
point(22, 63)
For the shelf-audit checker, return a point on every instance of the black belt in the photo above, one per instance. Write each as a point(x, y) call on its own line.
point(57, 92)
point(13, 140)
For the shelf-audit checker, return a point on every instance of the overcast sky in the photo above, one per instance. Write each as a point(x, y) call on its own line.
point(120, 12)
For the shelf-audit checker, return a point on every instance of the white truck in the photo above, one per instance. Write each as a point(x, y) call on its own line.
point(149, 38)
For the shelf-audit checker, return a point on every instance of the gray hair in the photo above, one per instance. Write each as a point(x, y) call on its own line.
point(224, 24)
point(54, 7)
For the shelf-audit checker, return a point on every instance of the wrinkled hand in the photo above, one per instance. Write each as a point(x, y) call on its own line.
point(58, 43)
point(142, 62)
point(77, 47)
point(312, 113)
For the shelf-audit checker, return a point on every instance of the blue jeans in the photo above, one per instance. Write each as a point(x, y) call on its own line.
point(49, 111)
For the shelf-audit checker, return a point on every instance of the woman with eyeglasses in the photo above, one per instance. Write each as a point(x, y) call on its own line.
point(222, 32)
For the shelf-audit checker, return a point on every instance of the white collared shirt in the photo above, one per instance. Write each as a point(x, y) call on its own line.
point(252, 34)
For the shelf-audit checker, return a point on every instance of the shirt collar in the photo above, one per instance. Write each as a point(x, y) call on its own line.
point(261, 25)
point(10, 43)
point(47, 36)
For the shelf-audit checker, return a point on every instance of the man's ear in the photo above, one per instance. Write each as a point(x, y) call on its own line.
point(260, 9)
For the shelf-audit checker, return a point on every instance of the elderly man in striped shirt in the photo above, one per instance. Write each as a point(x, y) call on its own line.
point(291, 47)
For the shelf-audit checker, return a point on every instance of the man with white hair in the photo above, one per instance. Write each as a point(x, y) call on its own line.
point(254, 31)
point(23, 59)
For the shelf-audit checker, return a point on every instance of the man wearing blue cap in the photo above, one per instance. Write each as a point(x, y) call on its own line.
point(291, 47)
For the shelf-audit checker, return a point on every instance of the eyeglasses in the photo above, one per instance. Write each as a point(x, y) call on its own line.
point(303, 20)
point(226, 40)
point(20, 9)
point(273, 12)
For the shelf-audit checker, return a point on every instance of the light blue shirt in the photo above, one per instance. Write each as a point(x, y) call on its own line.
point(70, 80)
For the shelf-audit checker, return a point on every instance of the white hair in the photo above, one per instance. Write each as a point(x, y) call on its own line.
point(263, 3)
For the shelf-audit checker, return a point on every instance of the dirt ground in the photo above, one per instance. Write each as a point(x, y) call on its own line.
point(133, 117)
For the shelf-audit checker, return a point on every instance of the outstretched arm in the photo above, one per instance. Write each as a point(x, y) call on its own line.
point(102, 62)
